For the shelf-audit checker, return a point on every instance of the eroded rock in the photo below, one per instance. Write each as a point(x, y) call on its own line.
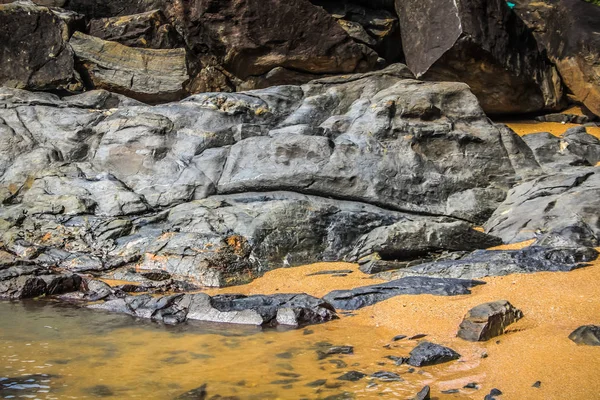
point(488, 320)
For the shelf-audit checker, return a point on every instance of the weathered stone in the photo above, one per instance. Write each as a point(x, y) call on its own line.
point(386, 376)
point(424, 394)
point(148, 30)
point(35, 53)
point(553, 153)
point(354, 299)
point(148, 75)
point(257, 310)
point(29, 280)
point(198, 393)
point(427, 353)
point(588, 335)
point(483, 263)
point(582, 144)
point(327, 351)
point(481, 43)
point(568, 31)
point(558, 209)
point(488, 320)
point(352, 376)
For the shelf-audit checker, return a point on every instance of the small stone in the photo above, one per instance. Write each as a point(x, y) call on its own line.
point(352, 376)
point(387, 376)
point(101, 391)
point(427, 353)
point(317, 383)
point(424, 394)
point(588, 335)
point(418, 336)
point(285, 355)
point(335, 350)
point(195, 394)
point(493, 394)
point(537, 384)
point(398, 337)
point(450, 391)
point(488, 320)
point(471, 385)
point(398, 360)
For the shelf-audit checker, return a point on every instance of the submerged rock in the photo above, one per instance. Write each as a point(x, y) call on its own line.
point(424, 394)
point(198, 393)
point(588, 335)
point(427, 353)
point(354, 299)
point(483, 263)
point(280, 309)
point(488, 320)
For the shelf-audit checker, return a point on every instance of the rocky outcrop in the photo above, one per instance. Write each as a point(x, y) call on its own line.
point(281, 309)
point(559, 209)
point(22, 279)
point(588, 335)
point(219, 188)
point(427, 353)
point(483, 263)
point(488, 320)
point(484, 44)
point(35, 53)
point(363, 296)
point(147, 30)
point(569, 31)
point(148, 75)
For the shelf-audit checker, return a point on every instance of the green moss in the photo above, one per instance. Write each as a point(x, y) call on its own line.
point(596, 2)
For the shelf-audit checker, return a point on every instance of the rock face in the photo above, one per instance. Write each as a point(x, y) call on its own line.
point(147, 30)
point(281, 309)
point(427, 353)
point(35, 54)
point(482, 263)
point(488, 320)
point(148, 75)
point(569, 31)
point(588, 335)
point(484, 44)
point(363, 296)
point(21, 280)
point(558, 209)
point(219, 188)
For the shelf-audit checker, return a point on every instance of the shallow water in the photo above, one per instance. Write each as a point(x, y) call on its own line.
point(91, 354)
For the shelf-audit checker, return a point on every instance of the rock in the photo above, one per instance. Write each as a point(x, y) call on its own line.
point(198, 393)
point(564, 118)
point(567, 30)
point(582, 144)
point(148, 30)
point(100, 391)
point(256, 310)
point(493, 394)
point(23, 279)
point(558, 209)
point(481, 43)
point(148, 75)
point(334, 350)
point(537, 384)
point(424, 394)
point(552, 152)
point(387, 376)
point(483, 263)
point(351, 376)
point(588, 335)
point(367, 295)
point(488, 320)
point(427, 353)
point(35, 54)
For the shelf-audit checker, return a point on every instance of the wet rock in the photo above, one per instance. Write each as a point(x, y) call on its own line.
point(352, 376)
point(148, 75)
point(317, 383)
point(427, 353)
point(557, 209)
point(493, 394)
point(100, 391)
point(588, 335)
point(398, 360)
point(483, 263)
point(35, 54)
point(398, 337)
point(367, 295)
point(488, 320)
point(334, 350)
point(386, 376)
point(471, 385)
point(233, 309)
point(484, 44)
point(147, 30)
point(566, 30)
point(28, 281)
point(424, 394)
point(450, 391)
point(198, 393)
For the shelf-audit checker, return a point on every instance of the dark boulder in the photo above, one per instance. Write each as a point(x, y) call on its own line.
point(427, 353)
point(481, 43)
point(568, 31)
point(559, 209)
point(35, 54)
point(354, 299)
point(23, 279)
point(488, 320)
point(260, 310)
point(148, 75)
point(483, 263)
point(588, 335)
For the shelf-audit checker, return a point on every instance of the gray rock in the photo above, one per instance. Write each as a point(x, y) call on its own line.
point(367, 295)
point(488, 320)
point(28, 281)
point(427, 353)
point(386, 376)
point(553, 153)
point(582, 144)
point(559, 209)
point(483, 263)
point(424, 394)
point(259, 310)
point(588, 335)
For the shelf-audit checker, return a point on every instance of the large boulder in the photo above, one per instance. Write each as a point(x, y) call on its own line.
point(488, 320)
point(35, 53)
point(569, 30)
point(148, 75)
point(484, 44)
